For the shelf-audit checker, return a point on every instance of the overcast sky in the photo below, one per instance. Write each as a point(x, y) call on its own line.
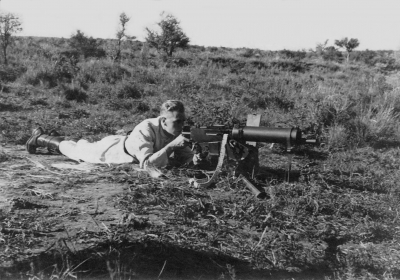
point(263, 24)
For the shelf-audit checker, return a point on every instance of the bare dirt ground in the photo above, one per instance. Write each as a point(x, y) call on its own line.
point(52, 208)
point(52, 203)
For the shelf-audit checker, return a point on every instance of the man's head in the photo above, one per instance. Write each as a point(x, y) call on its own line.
point(172, 116)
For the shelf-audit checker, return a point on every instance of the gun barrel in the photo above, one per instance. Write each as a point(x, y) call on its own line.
point(288, 136)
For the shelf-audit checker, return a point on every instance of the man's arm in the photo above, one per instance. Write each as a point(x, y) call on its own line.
point(141, 143)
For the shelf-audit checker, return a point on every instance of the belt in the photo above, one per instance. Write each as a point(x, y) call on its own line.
point(126, 152)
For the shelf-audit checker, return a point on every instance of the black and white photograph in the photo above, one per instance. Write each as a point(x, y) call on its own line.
point(199, 139)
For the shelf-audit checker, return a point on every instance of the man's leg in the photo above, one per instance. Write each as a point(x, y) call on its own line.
point(110, 149)
point(39, 138)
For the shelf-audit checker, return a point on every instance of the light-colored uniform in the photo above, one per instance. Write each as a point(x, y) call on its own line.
point(145, 145)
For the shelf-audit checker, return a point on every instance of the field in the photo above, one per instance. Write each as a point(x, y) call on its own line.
point(337, 217)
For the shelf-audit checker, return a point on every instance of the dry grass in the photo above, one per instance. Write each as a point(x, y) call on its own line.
point(338, 215)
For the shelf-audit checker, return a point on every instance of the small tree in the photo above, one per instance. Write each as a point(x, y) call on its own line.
point(348, 45)
point(320, 48)
point(121, 35)
point(86, 46)
point(9, 25)
point(170, 38)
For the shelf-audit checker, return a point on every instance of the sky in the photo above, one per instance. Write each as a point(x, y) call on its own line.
point(262, 24)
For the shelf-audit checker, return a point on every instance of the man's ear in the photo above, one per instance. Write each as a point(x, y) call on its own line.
point(163, 119)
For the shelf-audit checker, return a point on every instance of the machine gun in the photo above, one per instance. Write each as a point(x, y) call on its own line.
point(239, 143)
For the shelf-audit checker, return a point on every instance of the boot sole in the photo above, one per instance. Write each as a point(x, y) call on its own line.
point(30, 148)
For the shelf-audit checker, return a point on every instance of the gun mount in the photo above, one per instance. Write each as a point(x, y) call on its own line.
point(238, 143)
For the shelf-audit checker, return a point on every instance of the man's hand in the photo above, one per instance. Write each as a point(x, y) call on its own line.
point(179, 142)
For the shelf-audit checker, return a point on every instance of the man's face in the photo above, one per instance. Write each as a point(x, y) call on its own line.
point(173, 122)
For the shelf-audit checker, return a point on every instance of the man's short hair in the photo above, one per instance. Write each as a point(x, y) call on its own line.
point(172, 105)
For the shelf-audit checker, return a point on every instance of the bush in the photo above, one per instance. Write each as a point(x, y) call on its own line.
point(102, 72)
point(143, 107)
point(43, 76)
point(332, 54)
point(65, 68)
point(328, 66)
point(10, 73)
point(290, 65)
point(128, 90)
point(367, 57)
point(223, 61)
point(293, 54)
point(247, 53)
point(39, 101)
point(86, 46)
point(117, 104)
point(181, 62)
point(72, 92)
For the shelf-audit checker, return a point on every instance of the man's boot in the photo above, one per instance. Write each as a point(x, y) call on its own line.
point(51, 141)
point(31, 144)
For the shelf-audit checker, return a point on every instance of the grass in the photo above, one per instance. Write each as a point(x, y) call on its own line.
point(335, 219)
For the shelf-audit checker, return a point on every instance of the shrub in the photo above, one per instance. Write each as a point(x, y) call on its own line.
point(290, 65)
point(358, 133)
point(143, 107)
point(297, 55)
point(62, 104)
point(118, 104)
point(211, 113)
point(86, 46)
point(39, 101)
point(326, 67)
point(65, 67)
point(336, 109)
point(247, 53)
point(181, 62)
point(10, 73)
point(258, 64)
point(367, 57)
point(72, 92)
point(102, 72)
point(43, 76)
point(224, 61)
point(337, 136)
point(382, 122)
point(128, 90)
point(4, 157)
point(212, 49)
point(80, 113)
point(69, 53)
point(63, 70)
point(332, 54)
point(197, 49)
